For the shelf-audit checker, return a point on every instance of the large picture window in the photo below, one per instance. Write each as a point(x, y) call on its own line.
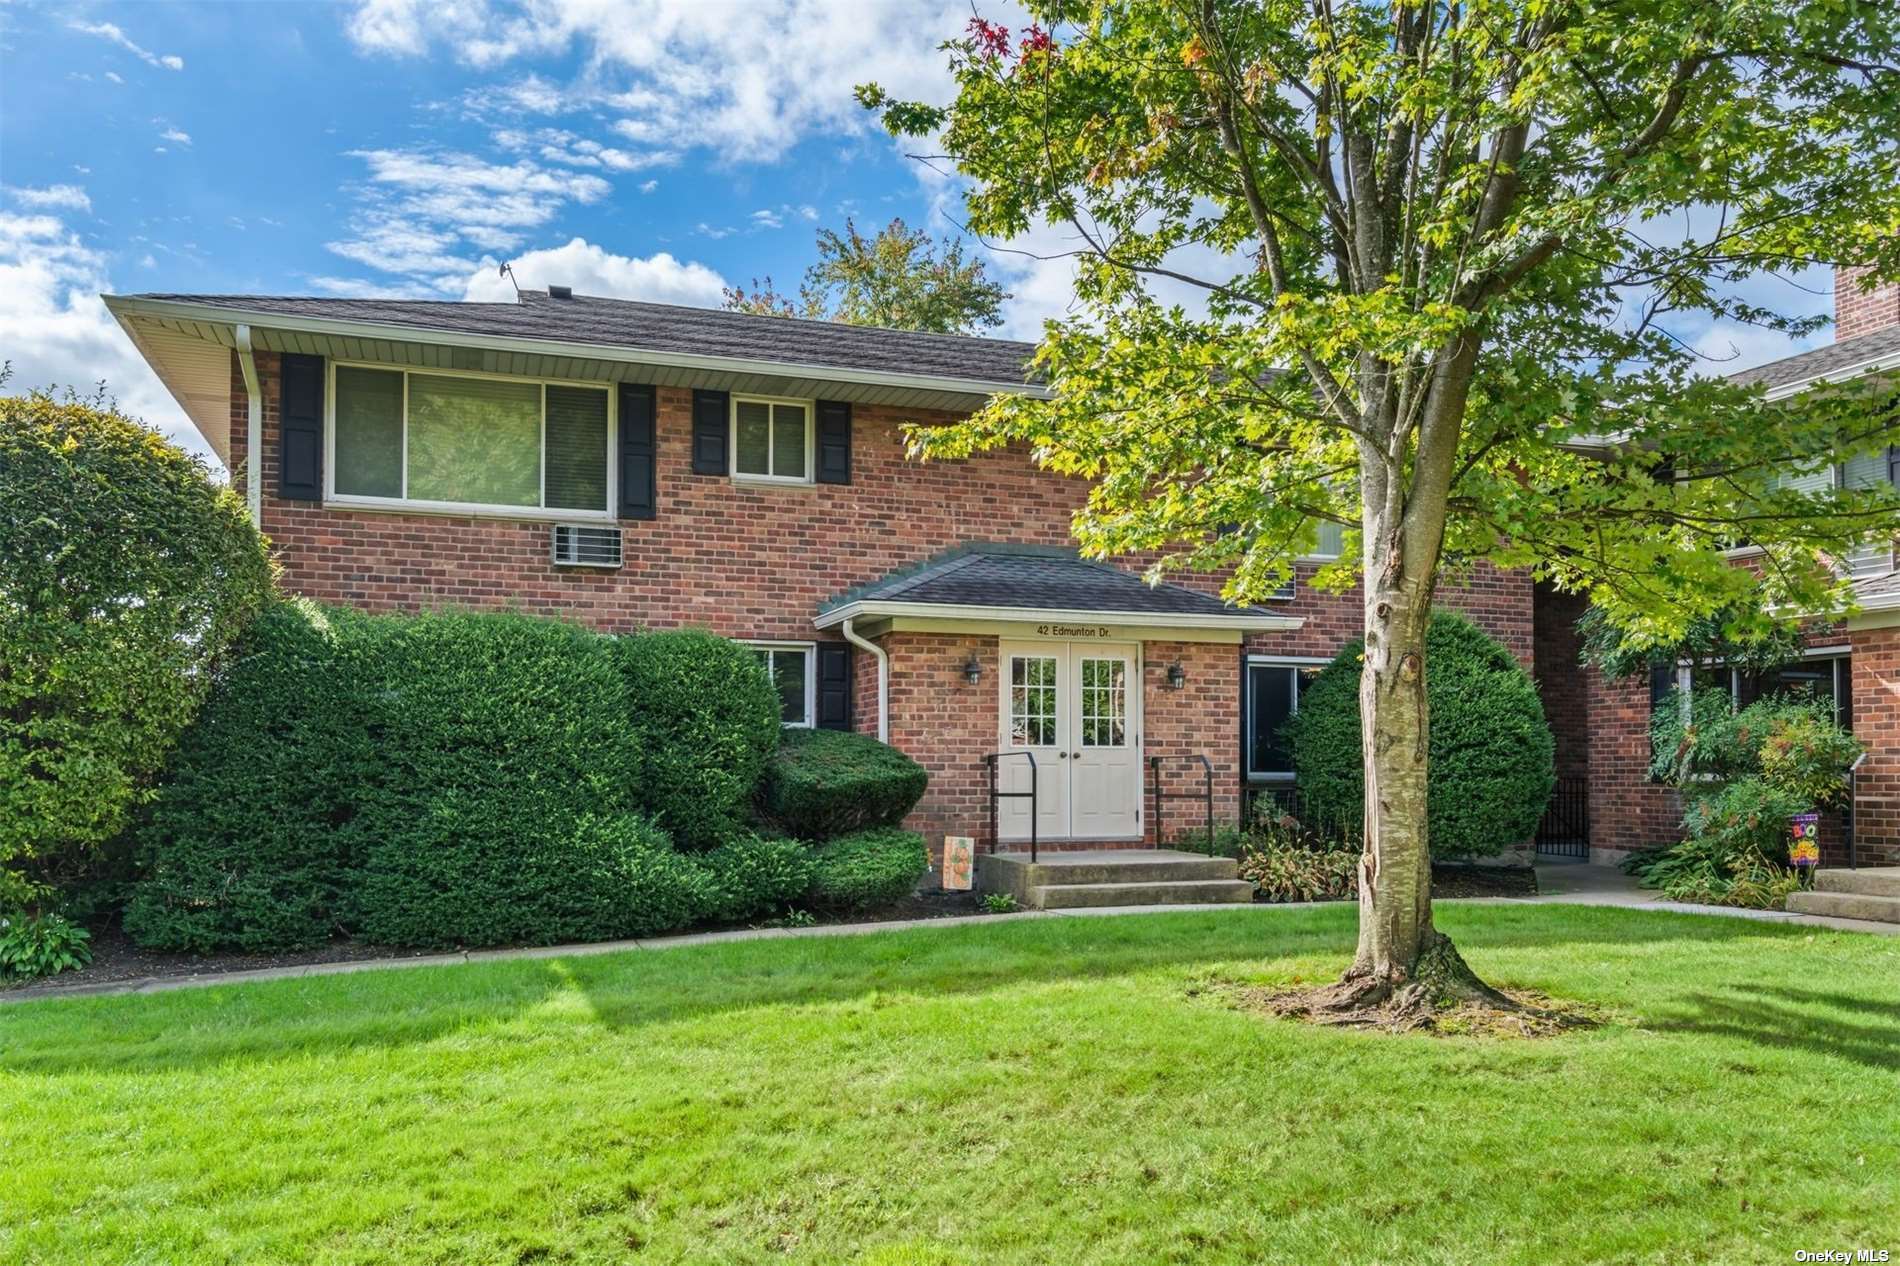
point(1273, 695)
point(439, 440)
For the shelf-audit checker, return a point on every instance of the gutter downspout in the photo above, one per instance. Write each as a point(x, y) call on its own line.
point(253, 428)
point(883, 679)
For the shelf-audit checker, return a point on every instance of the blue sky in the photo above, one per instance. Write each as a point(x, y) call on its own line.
point(643, 148)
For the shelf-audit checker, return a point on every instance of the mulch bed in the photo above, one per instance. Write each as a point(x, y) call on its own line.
point(1483, 881)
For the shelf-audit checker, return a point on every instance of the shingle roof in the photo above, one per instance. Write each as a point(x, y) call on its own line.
point(661, 327)
point(1026, 576)
point(1833, 359)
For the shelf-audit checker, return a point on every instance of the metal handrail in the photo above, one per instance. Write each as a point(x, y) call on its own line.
point(995, 795)
point(1207, 791)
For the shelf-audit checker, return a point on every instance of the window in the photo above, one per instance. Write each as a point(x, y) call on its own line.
point(790, 666)
point(487, 443)
point(1032, 701)
point(1273, 695)
point(771, 439)
point(1824, 675)
point(1104, 702)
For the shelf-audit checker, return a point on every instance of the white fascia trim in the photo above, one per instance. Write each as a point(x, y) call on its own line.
point(1877, 365)
point(388, 331)
point(1039, 615)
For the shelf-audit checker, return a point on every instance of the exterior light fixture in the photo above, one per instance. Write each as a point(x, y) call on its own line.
point(1177, 676)
point(972, 669)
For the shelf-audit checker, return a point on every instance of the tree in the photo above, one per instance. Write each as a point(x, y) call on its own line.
point(1450, 255)
point(126, 574)
point(898, 279)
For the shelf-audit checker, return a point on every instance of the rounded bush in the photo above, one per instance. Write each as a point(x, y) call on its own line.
point(126, 574)
point(501, 743)
point(868, 870)
point(750, 877)
point(1490, 753)
point(704, 717)
point(253, 838)
point(826, 783)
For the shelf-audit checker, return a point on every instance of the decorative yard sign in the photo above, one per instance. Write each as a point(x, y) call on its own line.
point(958, 852)
point(1804, 848)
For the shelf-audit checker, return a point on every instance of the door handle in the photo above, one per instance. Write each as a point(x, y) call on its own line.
point(1076, 755)
point(1062, 756)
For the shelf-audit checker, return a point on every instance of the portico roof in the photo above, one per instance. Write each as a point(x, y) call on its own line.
point(1037, 583)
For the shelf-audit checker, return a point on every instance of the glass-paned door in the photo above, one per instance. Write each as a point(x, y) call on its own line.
point(1104, 766)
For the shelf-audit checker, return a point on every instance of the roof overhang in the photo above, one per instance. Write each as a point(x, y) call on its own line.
point(1846, 373)
point(493, 353)
point(1131, 625)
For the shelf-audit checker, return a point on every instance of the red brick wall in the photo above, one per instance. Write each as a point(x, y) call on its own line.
point(1858, 312)
point(1201, 718)
point(1876, 665)
point(1627, 811)
point(1560, 680)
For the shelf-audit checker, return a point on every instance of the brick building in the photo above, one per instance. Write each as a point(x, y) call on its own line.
point(635, 465)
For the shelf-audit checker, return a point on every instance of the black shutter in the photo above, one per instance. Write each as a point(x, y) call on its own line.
point(300, 428)
point(639, 494)
point(712, 425)
point(834, 442)
point(834, 686)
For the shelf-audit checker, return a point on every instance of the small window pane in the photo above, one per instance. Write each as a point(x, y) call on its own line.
point(788, 440)
point(577, 448)
point(1104, 703)
point(787, 669)
point(752, 454)
point(1032, 701)
point(368, 432)
point(474, 440)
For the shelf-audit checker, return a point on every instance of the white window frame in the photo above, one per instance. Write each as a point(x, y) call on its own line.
point(810, 406)
point(1251, 662)
point(1841, 655)
point(357, 501)
point(811, 677)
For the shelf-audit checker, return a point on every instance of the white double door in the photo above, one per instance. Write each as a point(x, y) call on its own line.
point(1075, 707)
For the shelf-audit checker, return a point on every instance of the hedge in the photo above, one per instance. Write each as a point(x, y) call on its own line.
point(1490, 752)
point(824, 783)
point(253, 838)
point(704, 718)
point(506, 770)
point(750, 877)
point(868, 870)
point(127, 574)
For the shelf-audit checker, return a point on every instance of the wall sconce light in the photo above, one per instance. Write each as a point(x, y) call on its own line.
point(1177, 676)
point(972, 669)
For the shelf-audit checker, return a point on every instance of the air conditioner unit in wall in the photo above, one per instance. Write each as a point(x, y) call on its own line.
point(586, 545)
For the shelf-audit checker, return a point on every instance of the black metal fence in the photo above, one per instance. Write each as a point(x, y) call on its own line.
point(1565, 828)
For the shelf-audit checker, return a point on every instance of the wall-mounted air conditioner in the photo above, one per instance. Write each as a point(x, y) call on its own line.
point(586, 545)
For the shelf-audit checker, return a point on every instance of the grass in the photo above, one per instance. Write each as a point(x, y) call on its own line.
point(1035, 1091)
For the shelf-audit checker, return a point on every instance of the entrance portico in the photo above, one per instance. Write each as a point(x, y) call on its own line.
point(1080, 670)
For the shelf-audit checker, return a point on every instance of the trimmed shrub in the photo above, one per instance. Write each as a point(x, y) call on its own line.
point(125, 575)
point(867, 870)
point(502, 746)
point(1491, 752)
point(827, 783)
point(751, 877)
point(254, 835)
point(704, 720)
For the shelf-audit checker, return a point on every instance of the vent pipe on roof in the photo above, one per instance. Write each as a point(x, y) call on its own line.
point(253, 429)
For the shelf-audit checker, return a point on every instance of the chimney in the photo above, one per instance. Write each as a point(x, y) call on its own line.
point(1858, 311)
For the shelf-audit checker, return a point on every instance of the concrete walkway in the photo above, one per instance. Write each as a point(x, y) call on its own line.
point(1558, 883)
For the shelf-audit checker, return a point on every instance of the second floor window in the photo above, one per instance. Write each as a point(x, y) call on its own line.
point(771, 439)
point(483, 443)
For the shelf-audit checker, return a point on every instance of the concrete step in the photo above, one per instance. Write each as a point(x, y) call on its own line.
point(1846, 905)
point(1141, 868)
point(1875, 881)
point(1178, 892)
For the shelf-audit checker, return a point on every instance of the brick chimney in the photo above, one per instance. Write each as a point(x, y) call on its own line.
point(1858, 311)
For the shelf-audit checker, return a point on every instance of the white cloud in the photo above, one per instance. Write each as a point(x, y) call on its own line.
point(175, 135)
point(111, 31)
point(424, 211)
point(746, 82)
point(767, 220)
point(558, 145)
point(55, 331)
point(114, 77)
point(648, 186)
point(51, 198)
point(590, 270)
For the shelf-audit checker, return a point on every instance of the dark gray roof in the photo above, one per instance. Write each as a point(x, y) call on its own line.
point(1831, 360)
point(1887, 586)
point(1018, 576)
point(661, 327)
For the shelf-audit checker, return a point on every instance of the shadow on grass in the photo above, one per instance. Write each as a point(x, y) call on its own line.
point(1790, 1019)
point(195, 1028)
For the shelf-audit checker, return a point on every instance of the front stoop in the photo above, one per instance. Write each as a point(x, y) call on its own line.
point(1113, 877)
point(1872, 894)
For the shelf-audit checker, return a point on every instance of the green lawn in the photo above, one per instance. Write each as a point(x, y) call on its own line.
point(1039, 1091)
